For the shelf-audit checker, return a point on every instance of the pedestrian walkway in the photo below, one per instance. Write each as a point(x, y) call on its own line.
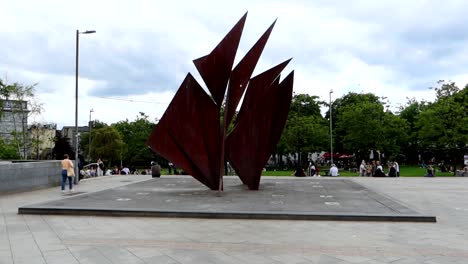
point(281, 198)
point(103, 239)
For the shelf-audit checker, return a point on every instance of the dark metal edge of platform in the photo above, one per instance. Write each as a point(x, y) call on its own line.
point(227, 215)
point(388, 201)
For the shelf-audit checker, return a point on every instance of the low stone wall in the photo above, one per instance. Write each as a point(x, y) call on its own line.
point(26, 176)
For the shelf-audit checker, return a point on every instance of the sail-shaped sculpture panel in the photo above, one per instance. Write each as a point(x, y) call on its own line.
point(185, 124)
point(254, 137)
point(192, 133)
point(242, 73)
point(215, 68)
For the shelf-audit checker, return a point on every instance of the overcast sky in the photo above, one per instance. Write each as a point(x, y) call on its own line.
point(143, 49)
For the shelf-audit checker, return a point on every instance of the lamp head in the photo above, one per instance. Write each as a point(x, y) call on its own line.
point(89, 32)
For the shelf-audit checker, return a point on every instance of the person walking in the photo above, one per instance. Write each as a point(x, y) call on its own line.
point(67, 173)
point(397, 168)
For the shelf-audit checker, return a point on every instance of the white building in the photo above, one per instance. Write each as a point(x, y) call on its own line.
point(14, 120)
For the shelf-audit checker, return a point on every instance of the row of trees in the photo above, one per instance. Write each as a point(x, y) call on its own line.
point(121, 143)
point(419, 130)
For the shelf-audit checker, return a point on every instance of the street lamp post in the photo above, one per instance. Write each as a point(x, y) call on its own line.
point(90, 127)
point(76, 100)
point(331, 131)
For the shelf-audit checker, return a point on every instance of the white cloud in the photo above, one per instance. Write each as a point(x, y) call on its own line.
point(143, 49)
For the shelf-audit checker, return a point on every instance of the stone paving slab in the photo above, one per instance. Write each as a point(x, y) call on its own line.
point(279, 198)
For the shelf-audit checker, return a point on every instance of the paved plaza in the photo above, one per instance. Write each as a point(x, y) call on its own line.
point(104, 239)
point(279, 198)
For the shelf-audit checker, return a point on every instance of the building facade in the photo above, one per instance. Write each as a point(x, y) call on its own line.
point(13, 118)
point(14, 123)
point(69, 132)
point(41, 138)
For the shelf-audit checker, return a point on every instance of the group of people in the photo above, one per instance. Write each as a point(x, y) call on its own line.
point(313, 170)
point(68, 171)
point(375, 169)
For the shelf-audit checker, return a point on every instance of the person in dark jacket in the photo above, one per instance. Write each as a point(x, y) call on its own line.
point(155, 170)
point(392, 170)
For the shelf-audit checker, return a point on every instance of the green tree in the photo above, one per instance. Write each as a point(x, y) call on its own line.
point(305, 129)
point(306, 105)
point(361, 125)
point(8, 151)
point(305, 134)
point(443, 124)
point(84, 142)
point(345, 104)
point(107, 144)
point(395, 134)
point(36, 130)
point(134, 135)
point(410, 112)
point(62, 146)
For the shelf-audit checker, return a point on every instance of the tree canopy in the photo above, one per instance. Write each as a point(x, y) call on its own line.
point(107, 144)
point(442, 126)
point(134, 135)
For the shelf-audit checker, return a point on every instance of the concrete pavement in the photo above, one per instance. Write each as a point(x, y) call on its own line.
point(91, 239)
point(281, 198)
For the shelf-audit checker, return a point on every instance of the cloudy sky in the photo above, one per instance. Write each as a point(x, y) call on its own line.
point(143, 49)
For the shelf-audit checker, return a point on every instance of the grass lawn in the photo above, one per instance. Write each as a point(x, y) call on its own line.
point(405, 171)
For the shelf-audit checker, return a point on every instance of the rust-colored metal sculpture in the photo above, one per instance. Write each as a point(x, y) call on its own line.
point(192, 132)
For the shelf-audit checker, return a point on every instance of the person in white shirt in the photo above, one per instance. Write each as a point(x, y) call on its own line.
point(311, 170)
point(100, 167)
point(362, 169)
point(333, 171)
point(126, 170)
point(397, 168)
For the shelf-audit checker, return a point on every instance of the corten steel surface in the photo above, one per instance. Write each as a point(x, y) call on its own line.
point(258, 87)
point(192, 133)
point(280, 111)
point(252, 141)
point(215, 68)
point(241, 74)
point(186, 134)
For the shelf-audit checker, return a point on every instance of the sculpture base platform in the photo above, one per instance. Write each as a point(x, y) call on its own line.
point(278, 198)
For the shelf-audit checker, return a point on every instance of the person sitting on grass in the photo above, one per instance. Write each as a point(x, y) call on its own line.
point(391, 170)
point(299, 172)
point(430, 171)
point(334, 171)
point(379, 172)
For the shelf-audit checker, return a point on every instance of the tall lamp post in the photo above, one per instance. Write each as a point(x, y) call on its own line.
point(77, 177)
point(331, 131)
point(90, 127)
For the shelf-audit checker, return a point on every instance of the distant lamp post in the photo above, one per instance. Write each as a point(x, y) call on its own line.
point(331, 131)
point(90, 128)
point(77, 177)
